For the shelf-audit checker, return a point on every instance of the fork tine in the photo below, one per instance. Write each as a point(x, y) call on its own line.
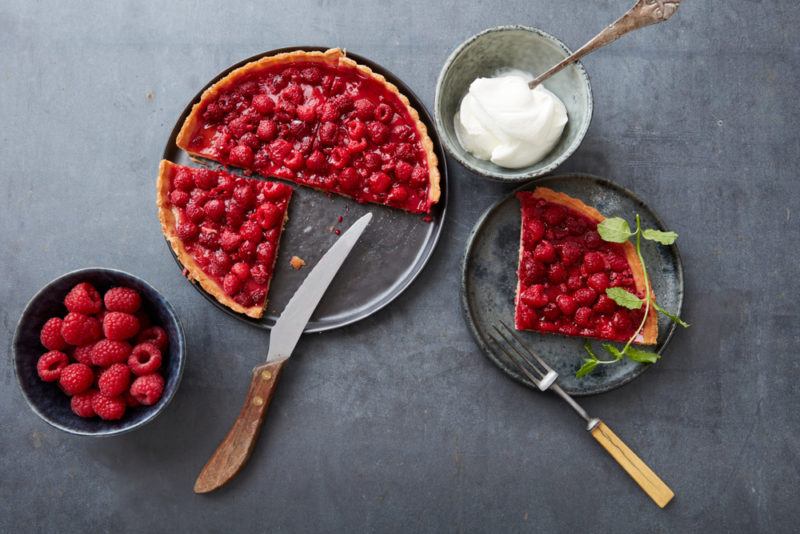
point(519, 362)
point(527, 350)
point(549, 376)
point(520, 356)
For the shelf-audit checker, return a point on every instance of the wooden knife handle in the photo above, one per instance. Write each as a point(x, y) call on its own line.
point(235, 449)
point(636, 468)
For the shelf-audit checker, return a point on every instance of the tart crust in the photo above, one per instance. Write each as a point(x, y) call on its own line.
point(167, 216)
point(649, 332)
point(334, 57)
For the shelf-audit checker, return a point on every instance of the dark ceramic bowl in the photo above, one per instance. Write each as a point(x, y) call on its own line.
point(512, 47)
point(45, 398)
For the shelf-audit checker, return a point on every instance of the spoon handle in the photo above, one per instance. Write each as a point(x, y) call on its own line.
point(643, 13)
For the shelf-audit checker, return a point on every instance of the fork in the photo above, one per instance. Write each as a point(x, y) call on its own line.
point(541, 374)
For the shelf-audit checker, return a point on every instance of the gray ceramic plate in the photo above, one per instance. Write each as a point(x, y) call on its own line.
point(389, 256)
point(489, 282)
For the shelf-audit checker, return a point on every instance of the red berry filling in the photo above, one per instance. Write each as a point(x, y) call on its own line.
point(338, 130)
point(231, 227)
point(564, 271)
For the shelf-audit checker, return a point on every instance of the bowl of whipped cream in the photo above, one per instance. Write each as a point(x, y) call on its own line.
point(493, 123)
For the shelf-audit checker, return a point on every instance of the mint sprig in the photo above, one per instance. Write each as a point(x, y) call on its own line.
point(617, 230)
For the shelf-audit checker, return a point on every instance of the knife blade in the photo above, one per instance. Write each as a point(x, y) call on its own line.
point(295, 316)
point(237, 446)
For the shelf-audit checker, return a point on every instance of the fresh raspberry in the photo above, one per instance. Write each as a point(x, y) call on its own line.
point(205, 179)
point(83, 354)
point(534, 232)
point(76, 378)
point(592, 240)
point(554, 215)
point(81, 404)
point(267, 129)
point(566, 304)
point(148, 389)
point(122, 299)
point(214, 209)
point(316, 161)
point(268, 215)
point(545, 252)
point(241, 155)
point(348, 179)
point(263, 103)
point(585, 296)
point(420, 175)
point(377, 132)
point(50, 336)
point(79, 329)
point(145, 359)
point(114, 380)
point(118, 326)
point(398, 194)
point(241, 269)
point(155, 335)
point(179, 198)
point(107, 352)
point(327, 132)
point(194, 211)
point(83, 298)
point(187, 231)
point(183, 180)
point(231, 284)
point(108, 408)
point(306, 113)
point(383, 112)
point(593, 261)
point(51, 364)
point(570, 252)
point(379, 182)
point(583, 316)
point(604, 304)
point(556, 273)
point(363, 109)
point(356, 129)
point(294, 94)
point(598, 281)
point(620, 321)
point(535, 296)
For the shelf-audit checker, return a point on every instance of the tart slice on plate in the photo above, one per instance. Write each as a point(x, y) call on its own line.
point(322, 120)
point(565, 269)
point(225, 230)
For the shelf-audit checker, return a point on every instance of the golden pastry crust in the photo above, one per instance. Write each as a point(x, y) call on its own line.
point(649, 333)
point(334, 57)
point(167, 216)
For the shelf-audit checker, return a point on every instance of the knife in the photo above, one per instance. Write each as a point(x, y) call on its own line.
point(235, 449)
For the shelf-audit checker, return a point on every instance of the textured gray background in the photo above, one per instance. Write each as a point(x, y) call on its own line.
point(397, 423)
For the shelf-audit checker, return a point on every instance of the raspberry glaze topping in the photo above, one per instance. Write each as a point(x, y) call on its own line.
point(333, 128)
point(230, 226)
point(564, 271)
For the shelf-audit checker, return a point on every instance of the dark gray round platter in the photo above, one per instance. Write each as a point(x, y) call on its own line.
point(390, 254)
point(489, 279)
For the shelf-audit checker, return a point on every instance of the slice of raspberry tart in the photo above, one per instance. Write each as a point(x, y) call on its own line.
point(565, 268)
point(225, 230)
point(322, 120)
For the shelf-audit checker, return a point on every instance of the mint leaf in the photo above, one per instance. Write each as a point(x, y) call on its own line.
point(675, 319)
point(587, 367)
point(665, 238)
point(626, 299)
point(588, 348)
point(641, 356)
point(614, 351)
point(614, 230)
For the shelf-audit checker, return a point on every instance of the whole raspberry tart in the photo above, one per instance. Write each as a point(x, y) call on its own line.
point(322, 120)
point(565, 269)
point(225, 231)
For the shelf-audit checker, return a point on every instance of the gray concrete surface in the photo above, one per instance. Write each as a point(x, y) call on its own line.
point(398, 423)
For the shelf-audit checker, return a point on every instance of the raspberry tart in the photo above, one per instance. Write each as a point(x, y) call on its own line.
point(321, 120)
point(225, 230)
point(565, 269)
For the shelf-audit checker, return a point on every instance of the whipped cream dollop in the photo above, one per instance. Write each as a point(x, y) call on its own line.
point(507, 123)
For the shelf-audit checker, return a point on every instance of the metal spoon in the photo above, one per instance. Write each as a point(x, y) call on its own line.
point(643, 13)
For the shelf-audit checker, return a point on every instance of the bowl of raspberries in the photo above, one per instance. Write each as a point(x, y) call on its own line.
point(98, 352)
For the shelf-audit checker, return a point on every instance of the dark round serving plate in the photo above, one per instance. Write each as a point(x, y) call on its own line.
point(390, 254)
point(489, 279)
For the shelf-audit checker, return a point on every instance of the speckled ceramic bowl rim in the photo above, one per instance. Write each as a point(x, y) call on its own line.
point(499, 176)
point(465, 308)
point(103, 433)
